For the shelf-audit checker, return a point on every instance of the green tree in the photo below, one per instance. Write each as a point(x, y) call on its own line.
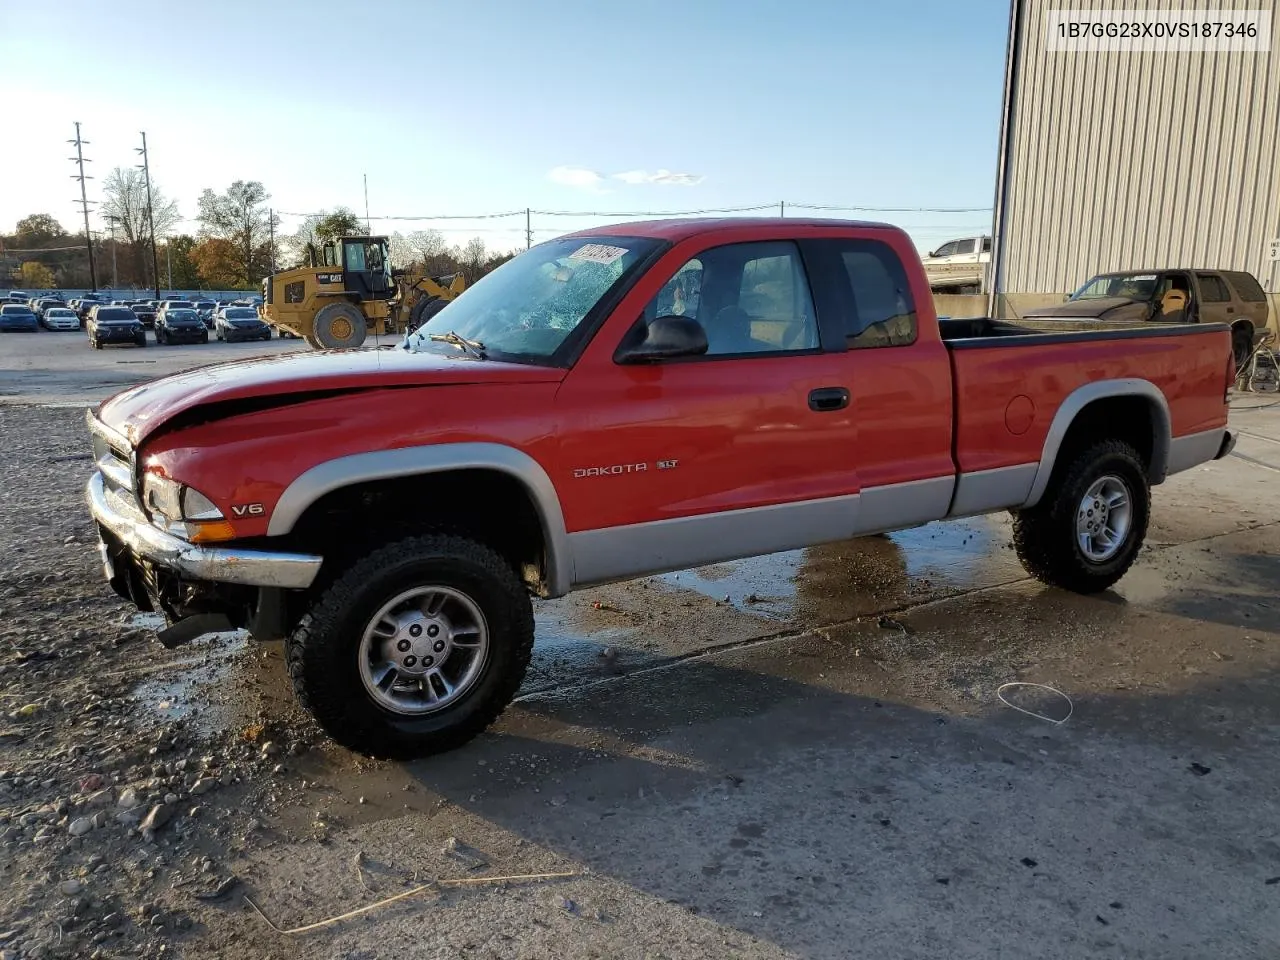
point(36, 276)
point(37, 229)
point(239, 217)
point(186, 274)
point(321, 228)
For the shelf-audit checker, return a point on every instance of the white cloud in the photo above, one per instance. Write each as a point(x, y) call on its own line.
point(584, 179)
point(579, 177)
point(661, 176)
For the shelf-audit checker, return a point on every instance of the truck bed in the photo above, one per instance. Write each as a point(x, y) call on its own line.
point(977, 332)
point(1010, 379)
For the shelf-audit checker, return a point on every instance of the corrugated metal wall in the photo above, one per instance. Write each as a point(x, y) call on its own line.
point(1139, 159)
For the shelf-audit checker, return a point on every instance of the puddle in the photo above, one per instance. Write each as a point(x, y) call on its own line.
point(856, 577)
point(183, 687)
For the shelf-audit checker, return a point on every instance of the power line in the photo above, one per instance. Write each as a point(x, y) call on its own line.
point(837, 207)
point(753, 208)
point(45, 249)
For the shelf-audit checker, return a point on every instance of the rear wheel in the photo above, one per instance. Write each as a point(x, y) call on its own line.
point(339, 326)
point(1087, 530)
point(1242, 344)
point(414, 649)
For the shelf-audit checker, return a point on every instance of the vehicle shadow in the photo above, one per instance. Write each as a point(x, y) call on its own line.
point(772, 790)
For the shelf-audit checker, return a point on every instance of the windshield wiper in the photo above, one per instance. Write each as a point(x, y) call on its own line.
point(474, 347)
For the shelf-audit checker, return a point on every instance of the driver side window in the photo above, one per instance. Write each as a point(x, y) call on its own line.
point(750, 298)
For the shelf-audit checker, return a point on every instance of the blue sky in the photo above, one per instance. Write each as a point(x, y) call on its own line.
point(501, 105)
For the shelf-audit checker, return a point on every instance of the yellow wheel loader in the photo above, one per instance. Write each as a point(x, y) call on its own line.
point(352, 292)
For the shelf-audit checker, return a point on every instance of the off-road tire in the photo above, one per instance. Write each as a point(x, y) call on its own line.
point(322, 650)
point(343, 316)
point(424, 310)
point(1044, 536)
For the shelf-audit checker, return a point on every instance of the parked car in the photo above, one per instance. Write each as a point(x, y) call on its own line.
point(173, 304)
point(45, 303)
point(233, 324)
point(608, 443)
point(86, 304)
point(60, 318)
point(206, 310)
point(1191, 295)
point(109, 325)
point(18, 317)
point(959, 266)
point(145, 312)
point(180, 325)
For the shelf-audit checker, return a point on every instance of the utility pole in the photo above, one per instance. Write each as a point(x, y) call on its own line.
point(528, 228)
point(367, 228)
point(151, 220)
point(84, 204)
point(168, 264)
point(271, 244)
point(782, 208)
point(115, 277)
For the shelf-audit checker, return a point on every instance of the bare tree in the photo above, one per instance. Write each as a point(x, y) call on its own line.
point(240, 217)
point(124, 194)
point(471, 258)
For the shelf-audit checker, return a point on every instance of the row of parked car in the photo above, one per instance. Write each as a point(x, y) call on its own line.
point(126, 321)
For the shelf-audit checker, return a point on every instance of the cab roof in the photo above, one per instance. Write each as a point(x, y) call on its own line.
point(675, 230)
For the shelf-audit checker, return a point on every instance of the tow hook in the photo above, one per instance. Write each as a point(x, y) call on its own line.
point(188, 628)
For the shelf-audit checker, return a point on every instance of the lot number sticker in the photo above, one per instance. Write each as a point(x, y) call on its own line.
point(597, 253)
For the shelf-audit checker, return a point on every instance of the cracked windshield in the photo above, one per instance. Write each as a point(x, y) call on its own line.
point(529, 306)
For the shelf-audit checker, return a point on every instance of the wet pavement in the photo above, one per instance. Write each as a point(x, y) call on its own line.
point(812, 754)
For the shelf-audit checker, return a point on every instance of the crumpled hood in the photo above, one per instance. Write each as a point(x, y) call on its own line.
point(1100, 307)
point(141, 410)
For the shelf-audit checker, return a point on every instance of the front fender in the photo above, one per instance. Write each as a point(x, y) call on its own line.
point(436, 458)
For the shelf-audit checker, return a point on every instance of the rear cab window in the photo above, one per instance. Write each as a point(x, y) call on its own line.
point(865, 286)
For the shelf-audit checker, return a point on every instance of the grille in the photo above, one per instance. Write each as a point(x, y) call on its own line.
point(114, 458)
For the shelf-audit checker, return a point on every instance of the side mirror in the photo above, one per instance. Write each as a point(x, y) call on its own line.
point(665, 338)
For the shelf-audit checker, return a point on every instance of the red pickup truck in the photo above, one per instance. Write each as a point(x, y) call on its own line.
point(615, 403)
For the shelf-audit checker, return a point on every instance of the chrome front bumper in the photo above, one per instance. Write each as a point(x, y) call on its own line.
point(119, 517)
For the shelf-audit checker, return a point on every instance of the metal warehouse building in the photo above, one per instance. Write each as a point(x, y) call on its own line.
point(1124, 160)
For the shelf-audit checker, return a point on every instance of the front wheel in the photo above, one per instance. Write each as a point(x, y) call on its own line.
point(1087, 530)
point(415, 648)
point(339, 326)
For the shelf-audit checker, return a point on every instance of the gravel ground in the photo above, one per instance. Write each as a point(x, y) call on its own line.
point(801, 755)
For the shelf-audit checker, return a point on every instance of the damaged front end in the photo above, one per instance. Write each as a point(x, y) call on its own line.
point(200, 589)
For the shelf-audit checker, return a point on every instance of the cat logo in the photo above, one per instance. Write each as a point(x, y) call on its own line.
point(328, 278)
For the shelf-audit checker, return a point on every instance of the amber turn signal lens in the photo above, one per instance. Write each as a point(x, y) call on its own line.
point(213, 532)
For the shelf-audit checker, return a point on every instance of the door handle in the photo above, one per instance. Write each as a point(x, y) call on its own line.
point(827, 399)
